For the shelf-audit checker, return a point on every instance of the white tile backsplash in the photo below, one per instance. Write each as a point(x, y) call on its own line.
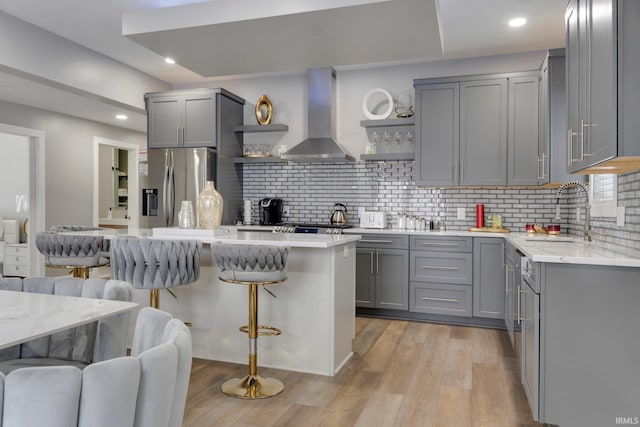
point(310, 190)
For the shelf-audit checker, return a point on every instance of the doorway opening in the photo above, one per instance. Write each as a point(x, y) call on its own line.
point(28, 207)
point(115, 184)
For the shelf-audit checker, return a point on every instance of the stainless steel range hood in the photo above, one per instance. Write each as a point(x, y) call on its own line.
point(320, 145)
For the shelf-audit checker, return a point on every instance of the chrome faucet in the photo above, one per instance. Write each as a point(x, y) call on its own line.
point(587, 206)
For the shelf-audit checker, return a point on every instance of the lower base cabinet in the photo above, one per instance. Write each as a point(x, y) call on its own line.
point(488, 277)
point(382, 272)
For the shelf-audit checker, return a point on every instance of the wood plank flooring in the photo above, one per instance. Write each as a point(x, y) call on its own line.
point(402, 374)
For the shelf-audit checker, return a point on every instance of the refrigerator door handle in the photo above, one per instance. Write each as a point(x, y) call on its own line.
point(169, 188)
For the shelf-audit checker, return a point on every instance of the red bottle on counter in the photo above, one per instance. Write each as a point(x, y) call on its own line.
point(479, 216)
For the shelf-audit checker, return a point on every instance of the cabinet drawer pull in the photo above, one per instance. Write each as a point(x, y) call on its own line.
point(375, 241)
point(440, 244)
point(440, 299)
point(440, 267)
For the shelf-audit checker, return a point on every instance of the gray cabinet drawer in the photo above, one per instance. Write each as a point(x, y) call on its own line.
point(391, 241)
point(453, 268)
point(441, 243)
point(440, 298)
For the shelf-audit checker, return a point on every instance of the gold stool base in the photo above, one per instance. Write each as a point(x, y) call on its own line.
point(252, 387)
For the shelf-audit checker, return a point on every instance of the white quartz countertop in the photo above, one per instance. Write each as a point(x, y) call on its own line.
point(540, 248)
point(230, 235)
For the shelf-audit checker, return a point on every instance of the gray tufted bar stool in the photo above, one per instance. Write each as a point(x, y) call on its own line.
point(155, 264)
point(252, 266)
point(77, 252)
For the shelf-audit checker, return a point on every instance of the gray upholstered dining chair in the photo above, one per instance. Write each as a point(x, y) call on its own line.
point(252, 266)
point(146, 389)
point(155, 264)
point(79, 253)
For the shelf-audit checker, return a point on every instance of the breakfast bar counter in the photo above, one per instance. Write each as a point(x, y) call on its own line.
point(314, 307)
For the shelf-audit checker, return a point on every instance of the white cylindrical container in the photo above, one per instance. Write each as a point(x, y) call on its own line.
point(248, 212)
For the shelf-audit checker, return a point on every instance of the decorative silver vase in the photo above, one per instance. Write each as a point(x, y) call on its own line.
point(210, 206)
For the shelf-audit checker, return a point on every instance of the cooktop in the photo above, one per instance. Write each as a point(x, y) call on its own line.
point(313, 225)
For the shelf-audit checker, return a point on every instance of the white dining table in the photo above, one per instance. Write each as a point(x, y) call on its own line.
point(25, 316)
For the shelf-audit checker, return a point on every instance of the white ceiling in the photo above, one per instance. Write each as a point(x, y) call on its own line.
point(220, 39)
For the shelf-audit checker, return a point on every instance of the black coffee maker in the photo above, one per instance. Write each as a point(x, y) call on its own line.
point(270, 211)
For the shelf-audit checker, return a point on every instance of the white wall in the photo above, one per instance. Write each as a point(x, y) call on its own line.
point(288, 93)
point(68, 159)
point(31, 51)
point(14, 173)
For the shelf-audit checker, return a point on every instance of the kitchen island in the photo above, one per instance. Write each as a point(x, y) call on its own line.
point(314, 308)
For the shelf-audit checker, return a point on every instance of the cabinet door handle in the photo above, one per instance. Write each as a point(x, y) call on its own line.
point(374, 241)
point(539, 168)
point(440, 267)
point(377, 263)
point(440, 299)
point(506, 280)
point(582, 153)
point(544, 165)
point(440, 244)
point(178, 135)
point(520, 291)
point(371, 262)
point(461, 171)
point(570, 158)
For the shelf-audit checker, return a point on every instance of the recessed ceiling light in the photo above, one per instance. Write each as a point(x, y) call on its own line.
point(121, 116)
point(517, 22)
point(169, 60)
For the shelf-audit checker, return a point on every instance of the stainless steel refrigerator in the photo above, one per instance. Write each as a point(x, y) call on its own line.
point(174, 175)
point(177, 174)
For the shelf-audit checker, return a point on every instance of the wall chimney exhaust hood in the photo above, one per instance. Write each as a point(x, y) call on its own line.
point(320, 145)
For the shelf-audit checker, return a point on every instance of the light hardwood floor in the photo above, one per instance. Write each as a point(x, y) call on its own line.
point(402, 374)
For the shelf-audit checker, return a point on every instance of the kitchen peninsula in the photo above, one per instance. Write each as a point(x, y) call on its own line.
point(314, 307)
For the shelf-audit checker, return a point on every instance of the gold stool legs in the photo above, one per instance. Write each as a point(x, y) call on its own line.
point(253, 386)
point(82, 272)
point(154, 298)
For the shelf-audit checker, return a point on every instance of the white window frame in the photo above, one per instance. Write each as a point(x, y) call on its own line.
point(603, 207)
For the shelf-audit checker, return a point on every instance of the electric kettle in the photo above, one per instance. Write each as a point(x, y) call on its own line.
point(339, 214)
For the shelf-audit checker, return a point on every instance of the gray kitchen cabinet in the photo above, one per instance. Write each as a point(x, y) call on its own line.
point(483, 132)
point(603, 47)
point(544, 143)
point(552, 133)
point(382, 272)
point(575, 318)
point(441, 275)
point(529, 319)
point(365, 278)
point(477, 130)
point(187, 118)
point(437, 134)
point(512, 313)
point(488, 278)
point(524, 166)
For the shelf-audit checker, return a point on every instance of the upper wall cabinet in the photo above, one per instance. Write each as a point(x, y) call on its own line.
point(552, 121)
point(184, 118)
point(478, 130)
point(603, 94)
